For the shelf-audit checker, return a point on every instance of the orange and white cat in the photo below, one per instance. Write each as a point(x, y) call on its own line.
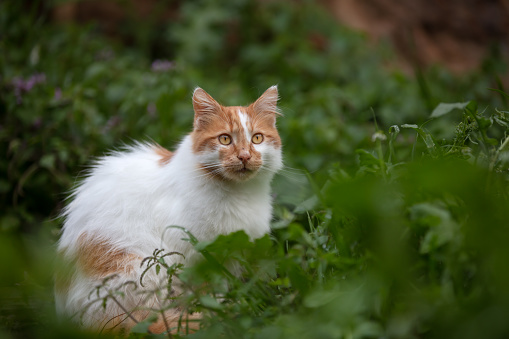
point(216, 182)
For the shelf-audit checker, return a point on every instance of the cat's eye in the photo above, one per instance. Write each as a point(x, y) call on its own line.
point(225, 139)
point(257, 138)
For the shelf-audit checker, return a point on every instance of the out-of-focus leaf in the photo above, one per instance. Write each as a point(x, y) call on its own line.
point(210, 302)
point(445, 108)
point(48, 161)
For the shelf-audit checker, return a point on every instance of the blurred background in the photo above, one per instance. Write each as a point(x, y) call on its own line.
point(79, 78)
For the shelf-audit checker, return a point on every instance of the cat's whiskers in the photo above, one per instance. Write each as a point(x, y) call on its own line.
point(206, 167)
point(207, 170)
point(285, 167)
point(292, 174)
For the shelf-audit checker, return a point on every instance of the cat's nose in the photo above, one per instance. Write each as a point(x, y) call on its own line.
point(244, 156)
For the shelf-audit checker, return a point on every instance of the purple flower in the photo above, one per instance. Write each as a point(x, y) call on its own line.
point(25, 85)
point(162, 65)
point(39, 78)
point(58, 94)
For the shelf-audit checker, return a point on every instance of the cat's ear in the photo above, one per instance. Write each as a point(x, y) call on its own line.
point(205, 107)
point(267, 104)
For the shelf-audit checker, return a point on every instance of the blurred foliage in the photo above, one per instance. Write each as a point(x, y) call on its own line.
point(394, 225)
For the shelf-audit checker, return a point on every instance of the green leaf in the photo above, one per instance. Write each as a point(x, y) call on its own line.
point(307, 204)
point(472, 106)
point(442, 228)
point(366, 158)
point(444, 108)
point(47, 161)
point(142, 327)
point(504, 94)
point(210, 302)
point(95, 70)
point(35, 55)
point(428, 139)
point(320, 298)
point(483, 122)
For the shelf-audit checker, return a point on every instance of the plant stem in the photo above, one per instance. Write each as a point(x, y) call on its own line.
point(380, 153)
point(123, 309)
point(497, 153)
point(166, 325)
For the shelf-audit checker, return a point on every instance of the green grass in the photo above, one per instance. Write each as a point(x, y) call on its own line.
point(391, 218)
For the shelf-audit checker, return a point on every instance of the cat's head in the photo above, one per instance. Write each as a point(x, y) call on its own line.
point(236, 143)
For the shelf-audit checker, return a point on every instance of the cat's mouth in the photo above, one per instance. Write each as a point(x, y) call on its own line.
point(240, 171)
point(244, 169)
point(243, 172)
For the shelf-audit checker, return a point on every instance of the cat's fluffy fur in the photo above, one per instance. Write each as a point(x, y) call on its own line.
point(118, 214)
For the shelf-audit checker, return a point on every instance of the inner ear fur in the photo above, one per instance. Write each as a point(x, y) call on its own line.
point(266, 104)
point(205, 107)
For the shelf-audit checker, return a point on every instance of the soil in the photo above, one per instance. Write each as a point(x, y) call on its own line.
point(459, 34)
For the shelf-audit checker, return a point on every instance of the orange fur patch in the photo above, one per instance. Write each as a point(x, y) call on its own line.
point(99, 258)
point(164, 154)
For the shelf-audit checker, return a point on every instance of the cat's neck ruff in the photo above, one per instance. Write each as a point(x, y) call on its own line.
point(215, 206)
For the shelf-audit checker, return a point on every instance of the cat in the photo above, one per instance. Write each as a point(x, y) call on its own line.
point(216, 182)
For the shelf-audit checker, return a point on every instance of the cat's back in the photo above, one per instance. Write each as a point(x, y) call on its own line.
point(132, 162)
point(116, 187)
